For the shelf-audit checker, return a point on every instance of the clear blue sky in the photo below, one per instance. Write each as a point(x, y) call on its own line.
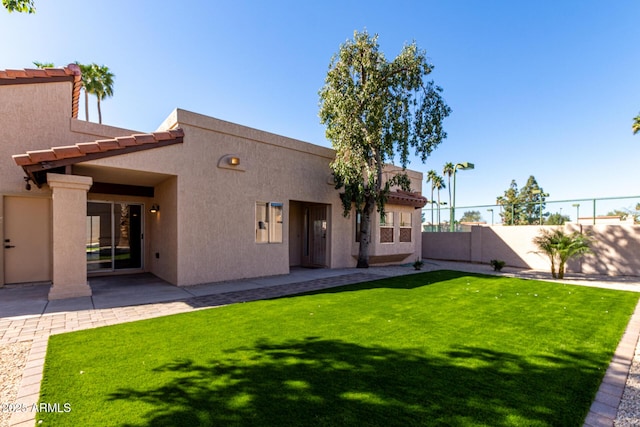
point(546, 88)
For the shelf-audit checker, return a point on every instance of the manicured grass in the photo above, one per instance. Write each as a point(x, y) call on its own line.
point(441, 348)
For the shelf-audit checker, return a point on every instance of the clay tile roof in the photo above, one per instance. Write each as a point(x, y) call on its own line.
point(67, 151)
point(88, 147)
point(16, 74)
point(22, 159)
point(108, 144)
point(47, 75)
point(162, 136)
point(35, 163)
point(126, 141)
point(146, 138)
point(39, 73)
point(41, 155)
point(406, 198)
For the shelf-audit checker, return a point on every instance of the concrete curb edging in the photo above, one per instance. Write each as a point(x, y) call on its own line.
point(604, 408)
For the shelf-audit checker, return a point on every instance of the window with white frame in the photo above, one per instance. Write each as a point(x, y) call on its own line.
point(405, 226)
point(269, 222)
point(386, 227)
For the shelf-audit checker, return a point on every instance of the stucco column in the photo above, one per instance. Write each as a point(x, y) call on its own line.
point(69, 235)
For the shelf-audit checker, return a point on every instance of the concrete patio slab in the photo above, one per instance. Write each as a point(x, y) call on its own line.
point(68, 304)
point(23, 300)
point(133, 290)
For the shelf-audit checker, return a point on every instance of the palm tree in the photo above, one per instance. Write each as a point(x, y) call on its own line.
point(438, 183)
point(431, 175)
point(571, 246)
point(102, 85)
point(448, 170)
point(96, 80)
point(561, 247)
point(546, 243)
point(636, 124)
point(43, 64)
point(87, 72)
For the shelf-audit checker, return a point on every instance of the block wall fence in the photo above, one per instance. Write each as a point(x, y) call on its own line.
point(616, 248)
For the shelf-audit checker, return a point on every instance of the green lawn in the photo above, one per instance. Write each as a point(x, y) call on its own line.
point(441, 348)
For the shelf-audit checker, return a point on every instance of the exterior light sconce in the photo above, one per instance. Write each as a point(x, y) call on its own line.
point(155, 208)
point(232, 162)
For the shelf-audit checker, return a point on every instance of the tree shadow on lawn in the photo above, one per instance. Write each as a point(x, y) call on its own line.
point(328, 383)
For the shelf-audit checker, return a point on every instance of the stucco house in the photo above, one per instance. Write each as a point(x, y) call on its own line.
point(200, 200)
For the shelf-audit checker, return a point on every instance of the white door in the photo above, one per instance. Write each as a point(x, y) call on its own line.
point(27, 239)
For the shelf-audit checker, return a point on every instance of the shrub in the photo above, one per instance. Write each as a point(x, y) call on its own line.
point(497, 264)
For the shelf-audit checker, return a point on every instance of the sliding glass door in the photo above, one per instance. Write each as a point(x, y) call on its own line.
point(114, 236)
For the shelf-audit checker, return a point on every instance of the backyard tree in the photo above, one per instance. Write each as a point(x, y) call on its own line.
point(509, 205)
point(524, 206)
point(561, 247)
point(19, 6)
point(625, 212)
point(557, 219)
point(375, 110)
point(532, 198)
point(471, 216)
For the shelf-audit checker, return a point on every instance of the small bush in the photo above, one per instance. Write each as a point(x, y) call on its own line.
point(497, 264)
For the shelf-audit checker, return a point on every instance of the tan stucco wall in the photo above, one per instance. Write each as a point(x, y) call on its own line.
point(69, 235)
point(36, 117)
point(205, 230)
point(277, 169)
point(33, 117)
point(396, 252)
point(215, 210)
point(163, 232)
point(615, 248)
point(215, 206)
